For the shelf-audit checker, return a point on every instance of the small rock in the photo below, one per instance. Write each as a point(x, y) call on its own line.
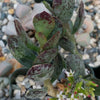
point(6, 81)
point(27, 85)
point(97, 63)
point(38, 87)
point(4, 4)
point(1, 43)
point(83, 39)
point(17, 94)
point(32, 83)
point(1, 93)
point(2, 16)
point(85, 56)
point(10, 18)
point(3, 28)
point(20, 78)
point(4, 21)
point(15, 6)
point(34, 87)
point(10, 29)
point(11, 11)
point(98, 58)
point(23, 90)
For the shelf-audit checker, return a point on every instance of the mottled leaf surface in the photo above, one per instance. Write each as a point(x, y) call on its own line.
point(63, 9)
point(79, 18)
point(46, 56)
point(59, 65)
point(21, 47)
point(75, 63)
point(52, 42)
point(40, 72)
point(44, 23)
point(41, 38)
point(36, 94)
point(67, 44)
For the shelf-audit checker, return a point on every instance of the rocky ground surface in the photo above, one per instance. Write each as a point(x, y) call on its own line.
point(90, 31)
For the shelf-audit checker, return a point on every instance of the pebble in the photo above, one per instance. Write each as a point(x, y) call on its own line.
point(17, 94)
point(1, 43)
point(10, 18)
point(98, 58)
point(3, 28)
point(85, 56)
point(2, 16)
point(4, 21)
point(1, 93)
point(15, 6)
point(11, 11)
point(20, 78)
point(32, 83)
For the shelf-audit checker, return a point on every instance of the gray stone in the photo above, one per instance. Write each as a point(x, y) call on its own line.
point(1, 93)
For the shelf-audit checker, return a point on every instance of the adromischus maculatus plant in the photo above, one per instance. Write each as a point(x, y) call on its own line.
point(44, 63)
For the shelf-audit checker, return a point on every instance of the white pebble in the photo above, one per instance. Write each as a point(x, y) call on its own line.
point(10, 18)
point(34, 87)
point(17, 94)
point(97, 63)
point(4, 28)
point(38, 87)
point(1, 43)
point(15, 6)
point(85, 56)
point(4, 21)
point(4, 37)
point(98, 58)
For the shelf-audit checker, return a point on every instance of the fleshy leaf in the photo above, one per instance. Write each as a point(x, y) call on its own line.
point(41, 38)
point(59, 65)
point(48, 6)
point(67, 44)
point(21, 71)
point(52, 42)
point(44, 23)
point(46, 56)
point(58, 28)
point(21, 47)
point(75, 63)
point(63, 9)
point(79, 19)
point(97, 89)
point(40, 72)
point(24, 37)
point(36, 94)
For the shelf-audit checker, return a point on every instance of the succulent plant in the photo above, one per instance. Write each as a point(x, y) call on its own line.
point(44, 63)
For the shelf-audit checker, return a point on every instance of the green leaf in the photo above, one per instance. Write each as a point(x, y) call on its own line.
point(20, 71)
point(67, 44)
point(41, 38)
point(63, 9)
point(36, 94)
point(20, 51)
point(97, 89)
point(24, 37)
point(75, 63)
point(52, 42)
point(41, 72)
point(44, 23)
point(22, 47)
point(46, 56)
point(58, 28)
point(59, 65)
point(79, 19)
point(47, 5)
